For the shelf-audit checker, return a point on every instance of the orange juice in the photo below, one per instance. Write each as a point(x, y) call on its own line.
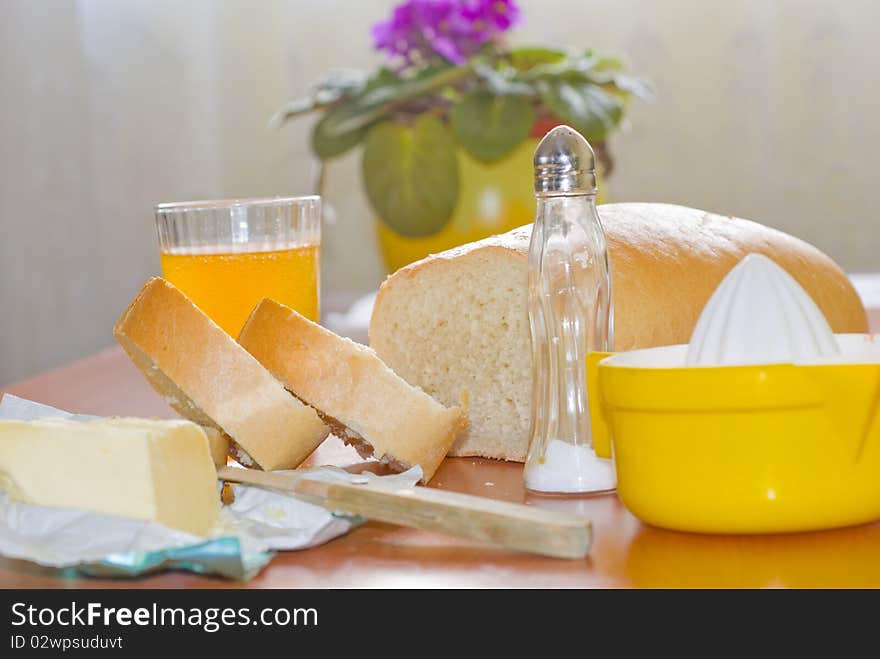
point(228, 285)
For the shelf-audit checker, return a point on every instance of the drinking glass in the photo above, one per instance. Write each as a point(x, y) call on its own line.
point(227, 255)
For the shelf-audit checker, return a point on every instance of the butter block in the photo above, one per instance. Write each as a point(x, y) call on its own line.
point(146, 469)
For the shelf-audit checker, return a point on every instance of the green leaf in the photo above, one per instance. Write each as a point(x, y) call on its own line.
point(502, 81)
point(489, 126)
point(389, 90)
point(606, 72)
point(608, 64)
point(527, 57)
point(586, 107)
point(293, 109)
point(628, 84)
point(382, 78)
point(573, 69)
point(332, 88)
point(330, 137)
point(345, 125)
point(411, 175)
point(340, 83)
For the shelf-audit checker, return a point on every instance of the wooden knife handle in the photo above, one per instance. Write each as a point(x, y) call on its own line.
point(509, 525)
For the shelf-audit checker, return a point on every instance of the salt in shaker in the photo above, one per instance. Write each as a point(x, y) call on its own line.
point(570, 315)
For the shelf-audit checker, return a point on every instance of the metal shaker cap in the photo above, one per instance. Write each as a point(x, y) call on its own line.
point(564, 164)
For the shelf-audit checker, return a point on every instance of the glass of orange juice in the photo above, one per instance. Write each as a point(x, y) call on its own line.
point(228, 255)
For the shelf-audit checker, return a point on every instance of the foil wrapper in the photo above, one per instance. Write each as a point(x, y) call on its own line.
point(259, 523)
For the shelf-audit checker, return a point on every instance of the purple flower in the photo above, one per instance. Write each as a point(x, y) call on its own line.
point(453, 29)
point(494, 15)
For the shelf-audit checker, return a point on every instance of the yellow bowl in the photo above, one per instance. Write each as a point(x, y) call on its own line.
point(741, 449)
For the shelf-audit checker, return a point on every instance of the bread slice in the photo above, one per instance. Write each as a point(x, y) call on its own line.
point(368, 405)
point(210, 379)
point(218, 442)
point(459, 319)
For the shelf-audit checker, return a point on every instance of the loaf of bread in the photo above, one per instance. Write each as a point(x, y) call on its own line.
point(210, 379)
point(458, 321)
point(365, 402)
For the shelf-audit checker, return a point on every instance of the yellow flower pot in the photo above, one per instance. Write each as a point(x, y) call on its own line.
point(493, 198)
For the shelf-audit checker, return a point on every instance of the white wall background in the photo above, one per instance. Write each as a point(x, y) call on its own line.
point(767, 109)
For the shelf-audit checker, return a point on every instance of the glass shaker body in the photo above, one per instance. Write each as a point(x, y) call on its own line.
point(570, 315)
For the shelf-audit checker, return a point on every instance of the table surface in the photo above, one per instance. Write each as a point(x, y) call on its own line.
point(625, 552)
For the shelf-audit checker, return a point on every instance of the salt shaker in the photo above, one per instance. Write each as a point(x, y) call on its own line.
point(570, 315)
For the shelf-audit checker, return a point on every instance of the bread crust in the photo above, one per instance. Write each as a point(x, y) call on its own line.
point(666, 261)
point(351, 386)
point(207, 377)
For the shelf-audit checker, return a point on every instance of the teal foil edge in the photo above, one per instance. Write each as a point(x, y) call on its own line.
point(218, 556)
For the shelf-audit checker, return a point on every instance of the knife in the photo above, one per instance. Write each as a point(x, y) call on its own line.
point(509, 525)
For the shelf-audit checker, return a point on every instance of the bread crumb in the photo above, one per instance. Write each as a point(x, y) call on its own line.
point(227, 494)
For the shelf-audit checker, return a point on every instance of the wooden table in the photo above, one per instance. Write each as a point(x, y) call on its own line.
point(625, 552)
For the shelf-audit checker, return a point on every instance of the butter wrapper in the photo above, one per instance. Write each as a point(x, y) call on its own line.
point(259, 523)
